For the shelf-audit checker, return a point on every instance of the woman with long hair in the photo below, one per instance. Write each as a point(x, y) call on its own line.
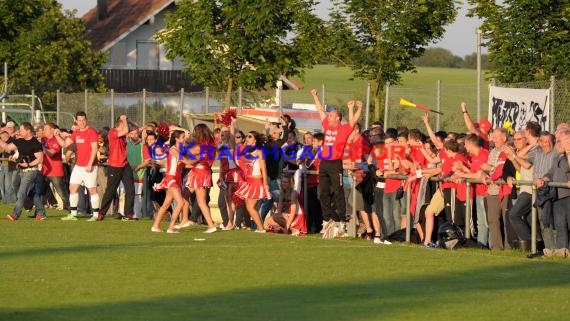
point(199, 179)
point(172, 182)
point(231, 174)
point(255, 186)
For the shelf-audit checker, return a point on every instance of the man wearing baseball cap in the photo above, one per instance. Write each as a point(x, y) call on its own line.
point(481, 129)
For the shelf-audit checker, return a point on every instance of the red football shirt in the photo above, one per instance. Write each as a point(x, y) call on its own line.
point(83, 140)
point(117, 149)
point(391, 185)
point(475, 166)
point(358, 149)
point(447, 169)
point(52, 166)
point(335, 140)
point(146, 155)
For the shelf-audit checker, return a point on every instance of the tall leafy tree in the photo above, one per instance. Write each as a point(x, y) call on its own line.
point(438, 57)
point(527, 39)
point(229, 43)
point(380, 39)
point(45, 49)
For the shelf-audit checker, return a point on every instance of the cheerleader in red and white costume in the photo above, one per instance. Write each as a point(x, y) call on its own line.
point(199, 179)
point(172, 182)
point(231, 174)
point(255, 186)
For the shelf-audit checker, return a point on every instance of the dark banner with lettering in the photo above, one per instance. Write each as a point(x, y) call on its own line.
point(519, 106)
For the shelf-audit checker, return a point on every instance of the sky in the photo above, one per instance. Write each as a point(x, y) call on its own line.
point(459, 37)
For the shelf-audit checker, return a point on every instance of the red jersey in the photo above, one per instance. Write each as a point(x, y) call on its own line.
point(417, 156)
point(83, 140)
point(446, 166)
point(447, 170)
point(358, 149)
point(145, 153)
point(117, 149)
point(391, 185)
point(335, 140)
point(475, 166)
point(52, 166)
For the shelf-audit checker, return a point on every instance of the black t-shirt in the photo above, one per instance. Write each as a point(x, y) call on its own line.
point(27, 148)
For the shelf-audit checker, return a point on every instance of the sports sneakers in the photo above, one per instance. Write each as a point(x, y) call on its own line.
point(340, 230)
point(94, 218)
point(69, 217)
point(211, 230)
point(380, 240)
point(329, 229)
point(40, 218)
point(431, 245)
point(11, 217)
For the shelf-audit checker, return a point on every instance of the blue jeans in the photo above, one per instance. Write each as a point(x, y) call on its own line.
point(562, 222)
point(482, 227)
point(10, 180)
point(274, 191)
point(391, 212)
point(29, 181)
point(58, 184)
point(547, 232)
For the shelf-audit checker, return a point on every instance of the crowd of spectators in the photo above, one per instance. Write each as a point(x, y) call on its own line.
point(164, 172)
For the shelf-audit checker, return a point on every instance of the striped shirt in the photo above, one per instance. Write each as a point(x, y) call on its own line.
point(543, 162)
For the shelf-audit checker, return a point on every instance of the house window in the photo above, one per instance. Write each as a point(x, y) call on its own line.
point(147, 55)
point(118, 57)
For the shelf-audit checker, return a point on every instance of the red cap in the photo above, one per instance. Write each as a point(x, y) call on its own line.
point(485, 125)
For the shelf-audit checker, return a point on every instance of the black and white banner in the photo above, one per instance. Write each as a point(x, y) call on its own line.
point(519, 106)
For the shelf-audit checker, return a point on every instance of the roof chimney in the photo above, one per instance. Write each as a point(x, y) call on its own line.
point(102, 10)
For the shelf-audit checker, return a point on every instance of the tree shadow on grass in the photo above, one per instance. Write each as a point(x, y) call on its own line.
point(34, 251)
point(437, 297)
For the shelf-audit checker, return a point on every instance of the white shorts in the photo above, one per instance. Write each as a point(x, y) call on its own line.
point(79, 176)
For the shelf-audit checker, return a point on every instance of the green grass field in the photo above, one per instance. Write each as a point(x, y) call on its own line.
point(113, 270)
point(456, 85)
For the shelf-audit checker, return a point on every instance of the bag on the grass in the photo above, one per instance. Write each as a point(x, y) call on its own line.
point(400, 236)
point(450, 236)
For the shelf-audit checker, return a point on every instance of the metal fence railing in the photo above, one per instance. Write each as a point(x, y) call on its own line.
point(468, 204)
point(143, 106)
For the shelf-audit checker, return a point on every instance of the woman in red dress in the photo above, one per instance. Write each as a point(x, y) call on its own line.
point(199, 179)
point(255, 186)
point(172, 182)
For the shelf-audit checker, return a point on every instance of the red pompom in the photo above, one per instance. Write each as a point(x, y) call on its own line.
point(163, 130)
point(228, 116)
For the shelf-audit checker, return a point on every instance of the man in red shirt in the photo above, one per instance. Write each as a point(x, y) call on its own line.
point(481, 129)
point(330, 172)
point(85, 170)
point(118, 169)
point(52, 166)
point(477, 157)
